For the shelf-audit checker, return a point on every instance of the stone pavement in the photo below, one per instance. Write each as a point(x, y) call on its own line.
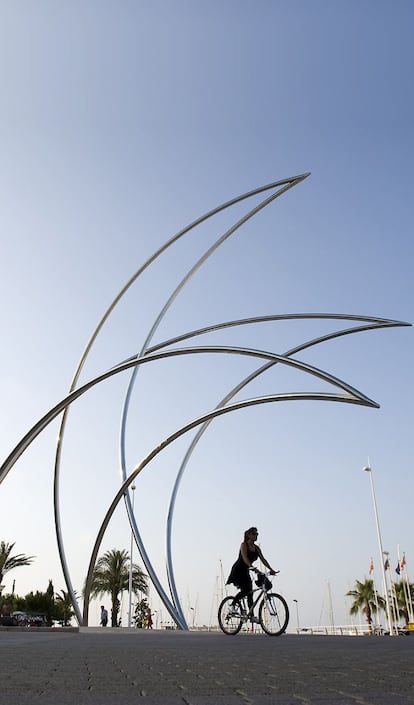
point(123, 667)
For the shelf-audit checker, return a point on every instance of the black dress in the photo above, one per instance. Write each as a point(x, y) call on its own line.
point(239, 574)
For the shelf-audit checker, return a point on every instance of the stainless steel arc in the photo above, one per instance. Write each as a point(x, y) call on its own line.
point(128, 364)
point(280, 184)
point(282, 188)
point(151, 352)
point(299, 396)
point(352, 396)
point(371, 323)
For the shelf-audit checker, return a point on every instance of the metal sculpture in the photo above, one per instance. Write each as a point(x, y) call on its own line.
point(149, 354)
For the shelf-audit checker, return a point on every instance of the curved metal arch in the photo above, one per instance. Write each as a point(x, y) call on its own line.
point(188, 276)
point(375, 322)
point(300, 396)
point(24, 443)
point(177, 613)
point(287, 183)
point(149, 354)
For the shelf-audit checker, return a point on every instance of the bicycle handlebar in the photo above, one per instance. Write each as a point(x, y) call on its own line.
point(266, 572)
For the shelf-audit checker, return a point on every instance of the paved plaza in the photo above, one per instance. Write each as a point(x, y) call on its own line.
point(120, 666)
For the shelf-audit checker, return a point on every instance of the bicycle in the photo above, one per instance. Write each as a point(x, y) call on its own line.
point(273, 610)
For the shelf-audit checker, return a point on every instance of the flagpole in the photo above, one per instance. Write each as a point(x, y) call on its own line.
point(376, 605)
point(371, 570)
point(403, 567)
point(402, 582)
point(394, 605)
point(409, 593)
point(222, 586)
point(381, 552)
point(331, 614)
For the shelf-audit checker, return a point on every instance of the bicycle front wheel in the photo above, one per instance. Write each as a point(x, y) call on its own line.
point(230, 616)
point(274, 614)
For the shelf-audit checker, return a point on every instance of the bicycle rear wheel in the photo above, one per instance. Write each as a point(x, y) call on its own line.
point(229, 616)
point(274, 614)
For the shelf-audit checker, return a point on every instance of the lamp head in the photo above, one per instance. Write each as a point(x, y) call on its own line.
point(367, 468)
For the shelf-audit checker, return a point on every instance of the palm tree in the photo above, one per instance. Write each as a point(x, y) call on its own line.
point(8, 562)
point(64, 608)
point(403, 591)
point(111, 575)
point(365, 600)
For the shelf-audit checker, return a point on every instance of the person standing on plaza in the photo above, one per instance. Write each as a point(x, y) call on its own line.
point(239, 574)
point(104, 616)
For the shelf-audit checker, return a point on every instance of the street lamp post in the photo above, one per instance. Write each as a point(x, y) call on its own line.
point(381, 552)
point(130, 563)
point(297, 615)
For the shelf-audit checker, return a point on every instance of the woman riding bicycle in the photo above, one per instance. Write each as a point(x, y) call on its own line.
point(239, 574)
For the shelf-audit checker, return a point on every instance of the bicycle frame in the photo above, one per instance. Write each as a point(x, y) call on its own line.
point(262, 593)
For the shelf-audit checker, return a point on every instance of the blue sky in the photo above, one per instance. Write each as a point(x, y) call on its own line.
point(120, 124)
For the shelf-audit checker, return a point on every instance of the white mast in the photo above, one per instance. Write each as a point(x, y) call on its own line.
point(381, 552)
point(371, 570)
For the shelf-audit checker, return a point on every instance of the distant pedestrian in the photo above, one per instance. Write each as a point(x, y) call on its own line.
point(104, 616)
point(149, 619)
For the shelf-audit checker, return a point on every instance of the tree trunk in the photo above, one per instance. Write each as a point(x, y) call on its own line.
point(115, 611)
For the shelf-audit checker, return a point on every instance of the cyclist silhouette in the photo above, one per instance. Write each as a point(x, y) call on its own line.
point(239, 574)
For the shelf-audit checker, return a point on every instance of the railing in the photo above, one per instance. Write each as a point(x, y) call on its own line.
point(342, 630)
